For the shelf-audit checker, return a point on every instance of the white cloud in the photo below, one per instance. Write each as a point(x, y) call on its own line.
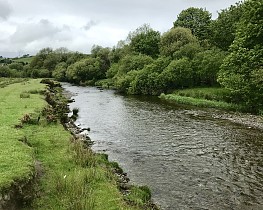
point(5, 10)
point(29, 32)
point(90, 24)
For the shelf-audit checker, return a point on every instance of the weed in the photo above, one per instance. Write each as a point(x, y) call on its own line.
point(24, 95)
point(139, 196)
point(75, 111)
point(83, 156)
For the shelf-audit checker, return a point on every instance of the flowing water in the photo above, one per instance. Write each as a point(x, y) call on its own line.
point(188, 159)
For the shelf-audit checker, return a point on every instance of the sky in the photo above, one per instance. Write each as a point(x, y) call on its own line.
point(26, 26)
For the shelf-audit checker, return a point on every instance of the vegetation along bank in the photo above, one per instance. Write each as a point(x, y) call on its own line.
point(45, 161)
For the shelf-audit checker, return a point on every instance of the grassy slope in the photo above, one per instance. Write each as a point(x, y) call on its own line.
point(203, 97)
point(25, 60)
point(16, 158)
point(71, 177)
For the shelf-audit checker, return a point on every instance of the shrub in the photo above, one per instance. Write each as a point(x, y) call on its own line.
point(24, 95)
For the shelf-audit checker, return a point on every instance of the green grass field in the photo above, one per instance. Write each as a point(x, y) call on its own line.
point(16, 157)
point(70, 177)
point(25, 60)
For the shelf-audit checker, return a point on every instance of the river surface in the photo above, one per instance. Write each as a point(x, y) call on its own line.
point(189, 159)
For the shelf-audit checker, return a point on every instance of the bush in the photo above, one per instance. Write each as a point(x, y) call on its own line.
point(24, 95)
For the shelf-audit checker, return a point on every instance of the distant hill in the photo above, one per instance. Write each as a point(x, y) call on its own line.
point(23, 59)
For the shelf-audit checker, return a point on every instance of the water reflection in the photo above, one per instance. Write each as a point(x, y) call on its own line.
point(189, 159)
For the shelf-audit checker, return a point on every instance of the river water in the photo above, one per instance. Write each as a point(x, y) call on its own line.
point(188, 159)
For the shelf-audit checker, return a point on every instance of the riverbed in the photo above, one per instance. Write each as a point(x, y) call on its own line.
point(190, 158)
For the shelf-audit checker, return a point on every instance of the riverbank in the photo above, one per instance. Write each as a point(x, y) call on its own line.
point(215, 98)
point(58, 171)
point(212, 97)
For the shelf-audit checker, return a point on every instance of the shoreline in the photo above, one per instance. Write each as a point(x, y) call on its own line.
point(81, 134)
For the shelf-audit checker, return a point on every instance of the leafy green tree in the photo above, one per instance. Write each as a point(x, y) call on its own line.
point(173, 40)
point(146, 83)
point(189, 50)
point(4, 71)
point(17, 66)
point(43, 73)
point(84, 70)
point(38, 60)
point(27, 71)
point(224, 27)
point(103, 55)
point(206, 65)
point(148, 80)
point(123, 83)
point(198, 20)
point(50, 62)
point(145, 40)
point(129, 63)
point(178, 74)
point(243, 66)
point(62, 54)
point(60, 72)
point(120, 72)
point(119, 51)
point(73, 57)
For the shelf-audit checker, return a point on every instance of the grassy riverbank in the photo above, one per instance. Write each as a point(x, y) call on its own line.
point(203, 97)
point(65, 174)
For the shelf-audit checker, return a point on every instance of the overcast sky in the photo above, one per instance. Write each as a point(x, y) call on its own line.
point(30, 25)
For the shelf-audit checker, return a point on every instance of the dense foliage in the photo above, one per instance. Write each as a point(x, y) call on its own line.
point(242, 70)
point(197, 20)
point(197, 51)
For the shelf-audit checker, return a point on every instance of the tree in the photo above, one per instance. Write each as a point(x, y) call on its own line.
point(189, 50)
point(206, 65)
point(224, 27)
point(103, 55)
point(73, 57)
point(148, 80)
point(4, 71)
point(85, 70)
point(145, 40)
point(243, 67)
point(119, 51)
point(51, 61)
point(60, 72)
point(198, 20)
point(178, 74)
point(62, 54)
point(132, 62)
point(17, 66)
point(38, 60)
point(173, 40)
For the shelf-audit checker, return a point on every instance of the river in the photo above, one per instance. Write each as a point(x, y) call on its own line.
point(189, 159)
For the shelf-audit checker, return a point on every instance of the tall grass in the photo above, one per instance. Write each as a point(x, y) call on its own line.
point(201, 102)
point(211, 93)
point(8, 81)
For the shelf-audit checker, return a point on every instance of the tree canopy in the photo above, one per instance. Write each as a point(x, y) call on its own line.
point(242, 70)
point(198, 20)
point(145, 40)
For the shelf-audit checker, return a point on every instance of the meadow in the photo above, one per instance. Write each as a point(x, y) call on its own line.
point(63, 174)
